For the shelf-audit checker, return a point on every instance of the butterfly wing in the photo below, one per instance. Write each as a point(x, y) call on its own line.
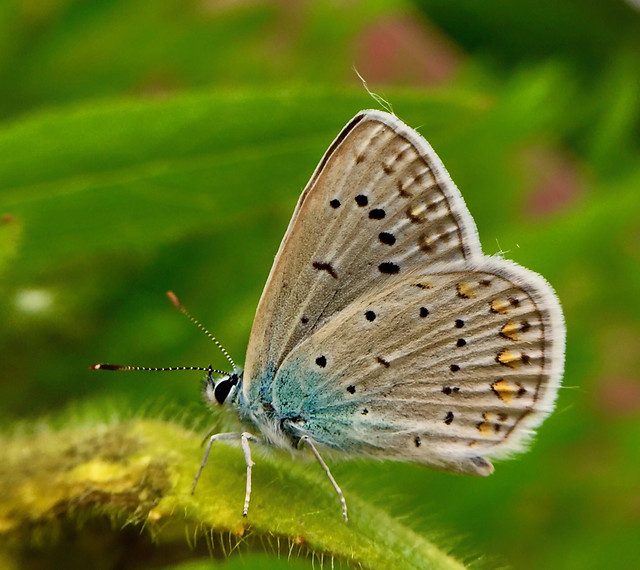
point(380, 201)
point(445, 367)
point(383, 328)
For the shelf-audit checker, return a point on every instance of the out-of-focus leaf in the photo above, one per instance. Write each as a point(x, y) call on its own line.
point(55, 51)
point(59, 488)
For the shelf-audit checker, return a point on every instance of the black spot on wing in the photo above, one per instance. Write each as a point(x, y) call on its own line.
point(389, 268)
point(325, 267)
point(481, 462)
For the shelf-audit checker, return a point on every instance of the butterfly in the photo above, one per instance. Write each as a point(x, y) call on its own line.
point(383, 330)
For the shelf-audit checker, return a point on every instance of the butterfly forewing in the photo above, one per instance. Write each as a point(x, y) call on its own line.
point(379, 203)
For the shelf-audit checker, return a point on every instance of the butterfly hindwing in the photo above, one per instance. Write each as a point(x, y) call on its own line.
point(443, 368)
point(379, 203)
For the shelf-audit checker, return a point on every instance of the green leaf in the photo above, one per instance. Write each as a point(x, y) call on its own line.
point(57, 487)
point(57, 51)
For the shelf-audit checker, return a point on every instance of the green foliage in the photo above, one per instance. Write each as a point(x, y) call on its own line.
point(588, 34)
point(140, 472)
point(56, 51)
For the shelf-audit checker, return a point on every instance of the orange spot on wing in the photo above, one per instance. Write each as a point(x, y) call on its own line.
point(465, 291)
point(425, 243)
point(510, 331)
point(484, 428)
point(508, 358)
point(404, 193)
point(416, 214)
point(502, 389)
point(499, 306)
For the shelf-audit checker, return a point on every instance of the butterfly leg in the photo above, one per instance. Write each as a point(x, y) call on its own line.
point(205, 457)
point(306, 439)
point(245, 438)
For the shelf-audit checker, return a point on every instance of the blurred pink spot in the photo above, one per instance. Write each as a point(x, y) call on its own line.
point(159, 85)
point(630, 240)
point(401, 50)
point(619, 396)
point(555, 178)
point(212, 7)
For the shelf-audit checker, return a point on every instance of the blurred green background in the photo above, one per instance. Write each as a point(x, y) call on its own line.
point(150, 145)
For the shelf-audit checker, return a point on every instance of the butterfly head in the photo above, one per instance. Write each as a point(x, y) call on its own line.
point(223, 390)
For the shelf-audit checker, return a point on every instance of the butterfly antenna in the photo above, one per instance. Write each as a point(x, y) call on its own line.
point(176, 302)
point(154, 369)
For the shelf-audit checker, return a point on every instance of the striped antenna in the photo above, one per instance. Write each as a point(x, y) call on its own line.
point(154, 369)
point(176, 302)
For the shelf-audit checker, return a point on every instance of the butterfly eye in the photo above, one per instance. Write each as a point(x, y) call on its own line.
point(224, 387)
point(221, 391)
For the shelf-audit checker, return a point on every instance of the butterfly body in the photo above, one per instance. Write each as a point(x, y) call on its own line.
point(283, 411)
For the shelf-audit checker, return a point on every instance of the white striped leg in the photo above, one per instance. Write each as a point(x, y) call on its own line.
point(324, 466)
point(244, 438)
